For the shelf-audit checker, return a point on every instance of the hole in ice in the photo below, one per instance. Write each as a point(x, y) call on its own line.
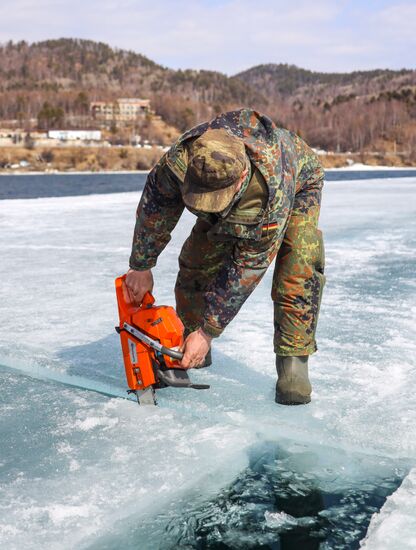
point(299, 498)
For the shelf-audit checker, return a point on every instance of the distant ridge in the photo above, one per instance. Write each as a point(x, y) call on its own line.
point(289, 78)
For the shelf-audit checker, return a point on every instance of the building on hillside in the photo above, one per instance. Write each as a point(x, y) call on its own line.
point(71, 135)
point(122, 110)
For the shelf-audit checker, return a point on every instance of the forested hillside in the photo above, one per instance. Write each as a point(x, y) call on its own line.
point(358, 111)
point(366, 110)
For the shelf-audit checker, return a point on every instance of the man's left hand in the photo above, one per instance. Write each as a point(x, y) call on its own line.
point(195, 348)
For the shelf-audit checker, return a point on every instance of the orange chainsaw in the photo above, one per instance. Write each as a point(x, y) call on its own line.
point(150, 340)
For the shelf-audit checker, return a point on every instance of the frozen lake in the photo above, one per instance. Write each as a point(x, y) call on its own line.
point(83, 467)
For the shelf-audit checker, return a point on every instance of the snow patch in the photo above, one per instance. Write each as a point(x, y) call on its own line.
point(395, 525)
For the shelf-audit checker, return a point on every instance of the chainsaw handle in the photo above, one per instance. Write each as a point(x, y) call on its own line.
point(148, 300)
point(173, 353)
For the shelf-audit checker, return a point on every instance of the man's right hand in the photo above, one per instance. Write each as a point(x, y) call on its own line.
point(138, 283)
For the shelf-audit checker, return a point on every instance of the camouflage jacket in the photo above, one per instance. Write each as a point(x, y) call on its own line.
point(281, 163)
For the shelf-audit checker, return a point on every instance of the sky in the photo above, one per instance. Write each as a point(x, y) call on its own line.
point(230, 35)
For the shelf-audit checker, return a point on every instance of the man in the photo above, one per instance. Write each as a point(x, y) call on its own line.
point(256, 191)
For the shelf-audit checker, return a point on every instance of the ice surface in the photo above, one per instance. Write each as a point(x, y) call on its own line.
point(78, 465)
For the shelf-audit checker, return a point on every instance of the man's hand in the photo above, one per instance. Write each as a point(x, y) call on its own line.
point(195, 348)
point(138, 283)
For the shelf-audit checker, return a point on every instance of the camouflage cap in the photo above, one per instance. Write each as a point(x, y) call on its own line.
point(216, 160)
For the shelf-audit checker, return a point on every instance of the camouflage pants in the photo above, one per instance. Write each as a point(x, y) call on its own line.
point(298, 277)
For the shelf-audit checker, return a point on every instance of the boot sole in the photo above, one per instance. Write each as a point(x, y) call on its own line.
point(292, 399)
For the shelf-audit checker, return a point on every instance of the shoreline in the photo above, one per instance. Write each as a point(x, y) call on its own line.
point(18, 160)
point(75, 172)
point(355, 167)
point(358, 167)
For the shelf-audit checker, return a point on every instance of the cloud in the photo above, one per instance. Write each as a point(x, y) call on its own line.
point(228, 35)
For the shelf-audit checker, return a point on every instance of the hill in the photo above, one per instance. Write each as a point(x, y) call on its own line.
point(58, 70)
point(363, 110)
point(359, 111)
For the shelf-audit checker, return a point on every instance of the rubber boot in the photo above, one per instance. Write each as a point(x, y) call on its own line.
point(293, 386)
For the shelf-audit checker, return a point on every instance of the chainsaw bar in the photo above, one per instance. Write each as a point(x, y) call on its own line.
point(146, 397)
